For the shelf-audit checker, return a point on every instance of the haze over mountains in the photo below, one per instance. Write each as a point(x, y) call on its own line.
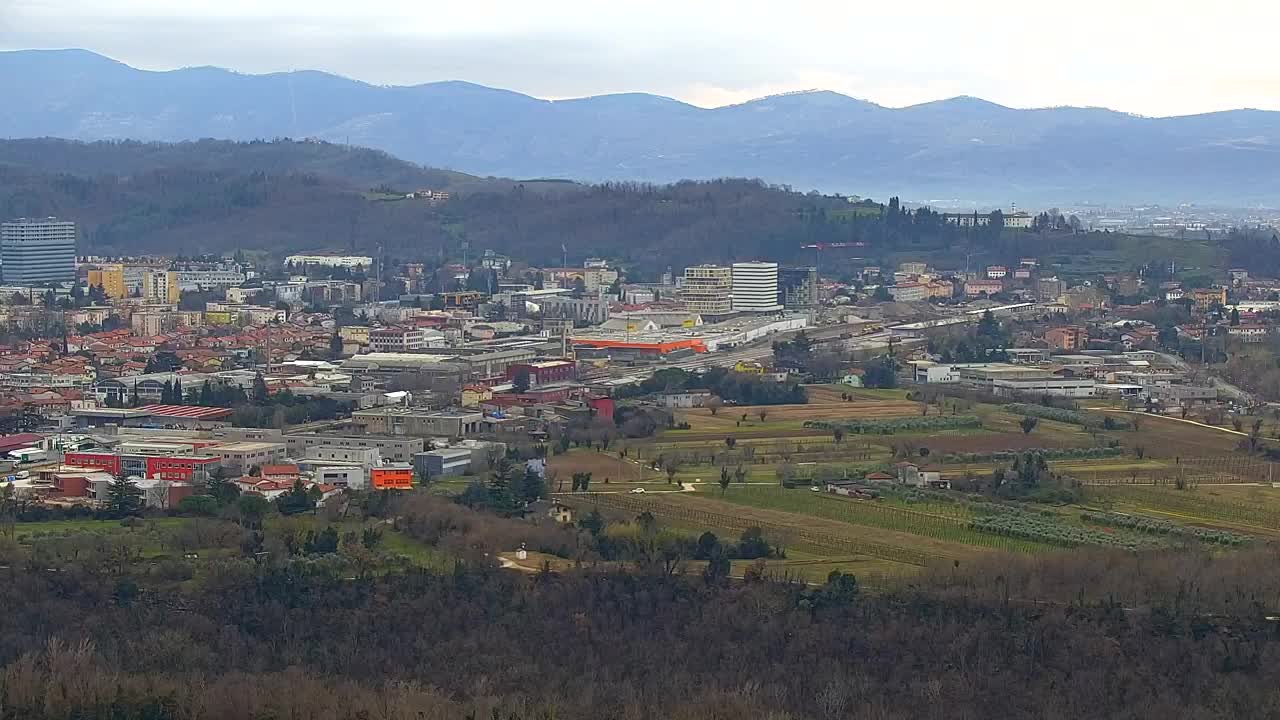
point(964, 150)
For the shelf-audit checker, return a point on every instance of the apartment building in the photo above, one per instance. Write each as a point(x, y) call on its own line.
point(798, 287)
point(708, 290)
point(110, 278)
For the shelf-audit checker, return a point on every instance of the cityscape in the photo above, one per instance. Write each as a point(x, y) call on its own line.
point(568, 363)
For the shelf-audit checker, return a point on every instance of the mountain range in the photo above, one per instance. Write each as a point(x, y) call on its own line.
point(963, 151)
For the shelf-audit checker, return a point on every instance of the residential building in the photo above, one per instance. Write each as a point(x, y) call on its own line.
point(1072, 337)
point(37, 251)
point(330, 261)
point(1050, 289)
point(202, 280)
point(909, 292)
point(1205, 298)
point(111, 279)
point(404, 339)
point(160, 287)
point(684, 400)
point(996, 272)
point(708, 290)
point(1019, 220)
point(907, 268)
point(150, 324)
point(798, 287)
point(1248, 332)
point(973, 288)
point(755, 287)
point(942, 289)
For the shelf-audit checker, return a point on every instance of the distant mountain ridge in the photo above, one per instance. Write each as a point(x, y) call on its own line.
point(963, 149)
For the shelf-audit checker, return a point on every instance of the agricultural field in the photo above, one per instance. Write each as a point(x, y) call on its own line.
point(1126, 472)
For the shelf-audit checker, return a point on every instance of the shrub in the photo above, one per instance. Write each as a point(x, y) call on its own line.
point(1071, 417)
point(897, 425)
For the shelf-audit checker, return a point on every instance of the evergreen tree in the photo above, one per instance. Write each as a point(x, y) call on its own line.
point(335, 345)
point(296, 501)
point(178, 398)
point(502, 497)
point(206, 394)
point(166, 393)
point(532, 486)
point(123, 497)
point(260, 393)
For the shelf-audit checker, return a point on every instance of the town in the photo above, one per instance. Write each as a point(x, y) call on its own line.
point(347, 374)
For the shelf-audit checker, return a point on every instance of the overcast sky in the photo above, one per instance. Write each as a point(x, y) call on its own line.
point(1144, 56)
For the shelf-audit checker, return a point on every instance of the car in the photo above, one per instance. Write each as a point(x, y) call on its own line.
point(814, 488)
point(637, 491)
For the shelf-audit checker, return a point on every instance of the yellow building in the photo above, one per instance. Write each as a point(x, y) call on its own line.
point(160, 287)
point(746, 366)
point(111, 278)
point(1206, 297)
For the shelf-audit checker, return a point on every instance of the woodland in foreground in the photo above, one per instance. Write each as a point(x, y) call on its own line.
point(1076, 635)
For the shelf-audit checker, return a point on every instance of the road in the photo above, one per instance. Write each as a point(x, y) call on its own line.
point(751, 352)
point(1225, 388)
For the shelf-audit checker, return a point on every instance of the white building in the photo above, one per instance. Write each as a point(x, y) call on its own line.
point(209, 279)
point(755, 287)
point(397, 339)
point(333, 261)
point(37, 251)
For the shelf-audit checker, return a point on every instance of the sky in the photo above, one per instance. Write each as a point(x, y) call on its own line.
point(1140, 56)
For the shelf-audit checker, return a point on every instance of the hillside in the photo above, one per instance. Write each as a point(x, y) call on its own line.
point(962, 150)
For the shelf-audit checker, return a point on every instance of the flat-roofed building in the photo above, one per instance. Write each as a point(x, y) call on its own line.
point(396, 449)
point(419, 423)
point(34, 251)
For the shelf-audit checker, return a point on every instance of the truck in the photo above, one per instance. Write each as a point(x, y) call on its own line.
point(27, 456)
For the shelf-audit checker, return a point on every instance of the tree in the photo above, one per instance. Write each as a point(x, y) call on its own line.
point(335, 345)
point(253, 508)
point(762, 413)
point(1235, 316)
point(520, 380)
point(730, 442)
point(532, 486)
point(206, 394)
point(838, 434)
point(579, 287)
point(296, 501)
point(123, 497)
point(260, 394)
point(205, 505)
point(502, 494)
point(740, 475)
point(1028, 424)
point(671, 467)
point(881, 373)
point(713, 403)
point(725, 477)
point(178, 393)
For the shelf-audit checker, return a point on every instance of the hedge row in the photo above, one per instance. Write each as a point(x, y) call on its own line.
point(1072, 417)
point(1046, 453)
point(897, 425)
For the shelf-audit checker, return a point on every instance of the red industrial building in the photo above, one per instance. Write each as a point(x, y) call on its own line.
point(545, 372)
point(186, 468)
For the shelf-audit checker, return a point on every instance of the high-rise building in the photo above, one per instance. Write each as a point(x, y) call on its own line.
point(755, 287)
point(160, 287)
point(708, 289)
point(37, 251)
point(111, 278)
point(798, 287)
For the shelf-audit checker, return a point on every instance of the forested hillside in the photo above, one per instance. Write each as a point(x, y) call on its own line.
point(286, 196)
